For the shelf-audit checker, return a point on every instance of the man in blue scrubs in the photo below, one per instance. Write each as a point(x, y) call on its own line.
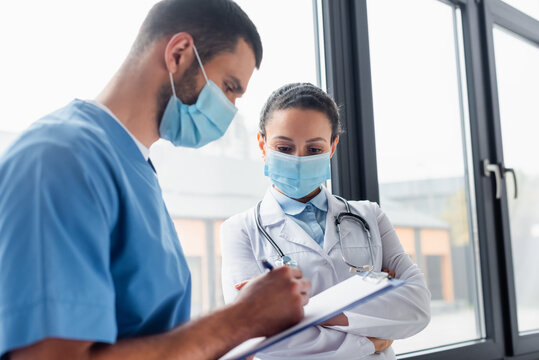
point(91, 266)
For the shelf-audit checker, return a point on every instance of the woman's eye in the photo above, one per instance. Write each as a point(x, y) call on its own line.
point(228, 88)
point(283, 149)
point(315, 150)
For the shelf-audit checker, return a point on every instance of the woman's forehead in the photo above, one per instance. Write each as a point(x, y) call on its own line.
point(294, 123)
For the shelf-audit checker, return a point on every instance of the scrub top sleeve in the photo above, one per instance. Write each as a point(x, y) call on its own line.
point(402, 312)
point(238, 260)
point(56, 211)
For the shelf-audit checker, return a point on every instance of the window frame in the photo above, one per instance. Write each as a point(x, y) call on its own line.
point(497, 12)
point(354, 169)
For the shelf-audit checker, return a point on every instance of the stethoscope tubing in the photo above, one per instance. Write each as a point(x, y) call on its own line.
point(338, 221)
point(264, 232)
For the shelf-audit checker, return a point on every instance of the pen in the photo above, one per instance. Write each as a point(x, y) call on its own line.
point(267, 264)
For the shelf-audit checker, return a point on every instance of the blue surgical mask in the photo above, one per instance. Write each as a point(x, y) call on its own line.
point(201, 123)
point(297, 176)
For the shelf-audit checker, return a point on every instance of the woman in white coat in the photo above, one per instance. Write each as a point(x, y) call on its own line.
point(299, 132)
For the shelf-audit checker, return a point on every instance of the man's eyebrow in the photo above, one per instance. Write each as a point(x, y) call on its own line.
point(237, 88)
point(316, 139)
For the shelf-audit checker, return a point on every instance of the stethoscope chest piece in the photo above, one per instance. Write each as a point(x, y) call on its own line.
point(286, 261)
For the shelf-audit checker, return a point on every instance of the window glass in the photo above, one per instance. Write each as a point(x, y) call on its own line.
point(53, 52)
point(517, 73)
point(226, 177)
point(422, 144)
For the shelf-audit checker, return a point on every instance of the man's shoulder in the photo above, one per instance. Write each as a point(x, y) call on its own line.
point(68, 129)
point(70, 125)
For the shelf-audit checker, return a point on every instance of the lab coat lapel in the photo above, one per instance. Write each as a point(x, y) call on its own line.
point(272, 215)
point(294, 233)
point(335, 207)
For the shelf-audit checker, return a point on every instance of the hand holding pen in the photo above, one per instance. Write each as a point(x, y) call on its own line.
point(265, 263)
point(281, 289)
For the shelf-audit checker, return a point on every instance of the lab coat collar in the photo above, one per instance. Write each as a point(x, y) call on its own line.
point(270, 210)
point(335, 206)
point(294, 207)
point(272, 214)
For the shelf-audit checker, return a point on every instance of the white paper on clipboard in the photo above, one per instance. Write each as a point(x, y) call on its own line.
point(329, 303)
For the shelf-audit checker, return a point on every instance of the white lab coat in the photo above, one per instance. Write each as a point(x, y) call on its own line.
point(397, 314)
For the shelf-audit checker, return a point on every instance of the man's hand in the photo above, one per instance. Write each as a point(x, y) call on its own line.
point(240, 285)
point(267, 304)
point(274, 301)
point(380, 344)
point(339, 320)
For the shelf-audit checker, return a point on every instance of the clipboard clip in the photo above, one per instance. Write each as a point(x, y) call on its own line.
point(368, 273)
point(375, 276)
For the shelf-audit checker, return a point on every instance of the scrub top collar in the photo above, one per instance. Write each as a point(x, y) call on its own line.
point(143, 149)
point(293, 207)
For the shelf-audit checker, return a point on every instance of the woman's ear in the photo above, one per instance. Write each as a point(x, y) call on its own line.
point(334, 146)
point(262, 144)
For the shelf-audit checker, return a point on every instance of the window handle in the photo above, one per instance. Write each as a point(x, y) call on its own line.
point(489, 168)
point(512, 171)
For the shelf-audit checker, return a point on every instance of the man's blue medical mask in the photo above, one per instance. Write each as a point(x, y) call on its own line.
point(198, 124)
point(297, 176)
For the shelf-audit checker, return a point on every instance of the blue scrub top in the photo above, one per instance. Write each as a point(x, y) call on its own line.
point(88, 250)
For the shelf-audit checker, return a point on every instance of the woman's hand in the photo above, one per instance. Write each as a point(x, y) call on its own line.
point(390, 272)
point(380, 344)
point(339, 320)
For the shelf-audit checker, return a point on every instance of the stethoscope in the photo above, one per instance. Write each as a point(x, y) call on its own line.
point(348, 214)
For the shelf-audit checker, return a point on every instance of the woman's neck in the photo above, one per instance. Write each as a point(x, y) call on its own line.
point(306, 198)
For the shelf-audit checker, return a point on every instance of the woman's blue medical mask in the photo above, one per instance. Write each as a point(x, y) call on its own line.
point(297, 176)
point(198, 124)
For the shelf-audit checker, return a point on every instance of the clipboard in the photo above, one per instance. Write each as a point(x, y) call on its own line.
point(327, 304)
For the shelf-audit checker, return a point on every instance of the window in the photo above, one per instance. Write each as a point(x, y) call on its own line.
point(53, 52)
point(517, 72)
point(422, 150)
point(59, 53)
point(449, 99)
point(210, 184)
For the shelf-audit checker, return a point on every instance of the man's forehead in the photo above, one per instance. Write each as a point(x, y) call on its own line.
point(238, 65)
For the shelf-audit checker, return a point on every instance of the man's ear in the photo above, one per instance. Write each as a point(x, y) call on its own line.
point(179, 53)
point(262, 144)
point(334, 146)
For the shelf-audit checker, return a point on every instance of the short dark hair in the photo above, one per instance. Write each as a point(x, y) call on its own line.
point(215, 25)
point(301, 96)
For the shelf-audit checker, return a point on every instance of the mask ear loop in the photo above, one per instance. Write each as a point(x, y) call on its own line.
point(201, 66)
point(200, 63)
point(172, 84)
